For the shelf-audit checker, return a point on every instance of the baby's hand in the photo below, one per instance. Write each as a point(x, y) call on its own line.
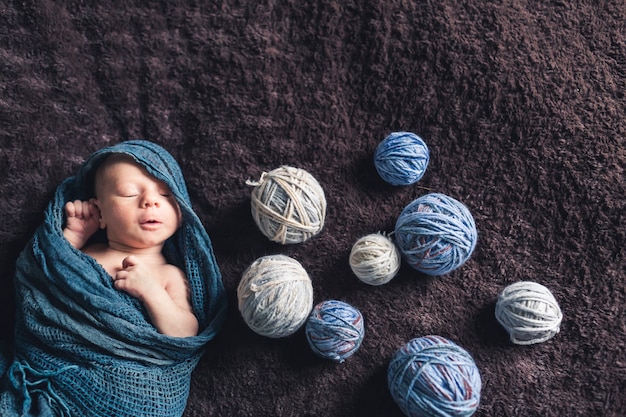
point(168, 314)
point(135, 279)
point(82, 222)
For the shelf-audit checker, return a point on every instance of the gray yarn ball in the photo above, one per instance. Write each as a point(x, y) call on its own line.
point(275, 296)
point(529, 313)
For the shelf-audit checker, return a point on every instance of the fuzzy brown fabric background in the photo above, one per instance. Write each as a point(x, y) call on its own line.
point(521, 102)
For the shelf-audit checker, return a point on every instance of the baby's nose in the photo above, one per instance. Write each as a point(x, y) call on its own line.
point(151, 199)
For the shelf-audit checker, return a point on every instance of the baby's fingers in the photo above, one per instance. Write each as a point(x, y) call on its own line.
point(82, 209)
point(85, 210)
point(120, 276)
point(120, 282)
point(129, 262)
point(70, 209)
point(91, 211)
point(79, 209)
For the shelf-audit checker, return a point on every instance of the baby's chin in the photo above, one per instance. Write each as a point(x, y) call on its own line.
point(137, 248)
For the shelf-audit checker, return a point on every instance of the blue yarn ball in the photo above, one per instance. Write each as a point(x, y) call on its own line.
point(335, 330)
point(401, 158)
point(436, 234)
point(432, 376)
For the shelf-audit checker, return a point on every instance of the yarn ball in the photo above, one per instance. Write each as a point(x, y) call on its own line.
point(436, 234)
point(401, 158)
point(275, 296)
point(374, 259)
point(432, 376)
point(288, 205)
point(529, 313)
point(335, 330)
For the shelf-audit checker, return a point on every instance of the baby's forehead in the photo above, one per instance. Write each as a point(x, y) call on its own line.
point(115, 168)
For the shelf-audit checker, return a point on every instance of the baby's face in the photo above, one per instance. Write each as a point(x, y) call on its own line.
point(138, 211)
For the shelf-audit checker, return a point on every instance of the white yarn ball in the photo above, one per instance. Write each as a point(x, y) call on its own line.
point(275, 296)
point(529, 313)
point(374, 259)
point(288, 205)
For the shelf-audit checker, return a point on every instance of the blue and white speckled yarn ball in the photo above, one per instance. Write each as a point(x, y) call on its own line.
point(432, 376)
point(401, 158)
point(436, 234)
point(335, 330)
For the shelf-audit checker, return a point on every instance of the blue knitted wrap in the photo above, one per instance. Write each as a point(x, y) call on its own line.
point(83, 348)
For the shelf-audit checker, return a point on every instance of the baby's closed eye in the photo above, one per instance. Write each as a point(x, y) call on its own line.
point(127, 192)
point(164, 190)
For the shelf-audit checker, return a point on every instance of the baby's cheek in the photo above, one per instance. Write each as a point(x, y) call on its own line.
point(179, 215)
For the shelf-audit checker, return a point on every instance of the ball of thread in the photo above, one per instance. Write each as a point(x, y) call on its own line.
point(529, 313)
point(288, 205)
point(436, 234)
point(401, 158)
point(374, 259)
point(432, 376)
point(335, 330)
point(275, 296)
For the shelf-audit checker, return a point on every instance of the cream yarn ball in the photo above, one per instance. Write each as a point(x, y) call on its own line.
point(529, 313)
point(374, 259)
point(288, 205)
point(275, 296)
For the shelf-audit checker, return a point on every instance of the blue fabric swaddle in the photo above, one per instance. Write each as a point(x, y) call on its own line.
point(83, 348)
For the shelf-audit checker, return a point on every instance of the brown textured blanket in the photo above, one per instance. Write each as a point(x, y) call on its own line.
point(522, 104)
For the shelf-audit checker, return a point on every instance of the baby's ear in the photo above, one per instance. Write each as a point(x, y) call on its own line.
point(101, 221)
